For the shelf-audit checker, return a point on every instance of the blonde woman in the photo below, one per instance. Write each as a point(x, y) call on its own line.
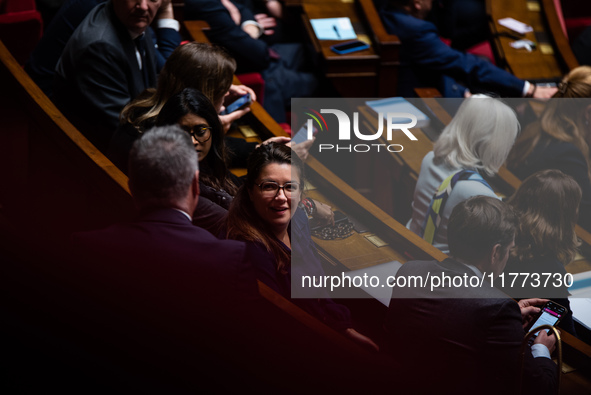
point(474, 144)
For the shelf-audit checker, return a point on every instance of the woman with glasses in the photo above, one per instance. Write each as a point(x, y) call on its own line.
point(195, 114)
point(262, 214)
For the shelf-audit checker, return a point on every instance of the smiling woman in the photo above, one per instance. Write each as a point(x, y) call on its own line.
point(264, 205)
point(263, 212)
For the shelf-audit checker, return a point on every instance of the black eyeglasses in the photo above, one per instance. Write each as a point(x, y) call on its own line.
point(271, 188)
point(201, 133)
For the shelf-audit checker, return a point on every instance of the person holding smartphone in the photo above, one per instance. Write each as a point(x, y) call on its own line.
point(467, 336)
point(547, 205)
point(207, 68)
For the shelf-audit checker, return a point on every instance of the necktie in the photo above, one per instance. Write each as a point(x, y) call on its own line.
point(140, 44)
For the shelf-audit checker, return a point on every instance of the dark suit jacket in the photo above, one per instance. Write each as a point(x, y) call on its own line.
point(42, 62)
point(161, 296)
point(550, 153)
point(98, 74)
point(165, 242)
point(251, 54)
point(427, 62)
point(466, 339)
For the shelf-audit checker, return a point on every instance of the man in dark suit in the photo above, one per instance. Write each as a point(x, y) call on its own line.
point(164, 182)
point(162, 296)
point(42, 62)
point(427, 62)
point(108, 61)
point(464, 336)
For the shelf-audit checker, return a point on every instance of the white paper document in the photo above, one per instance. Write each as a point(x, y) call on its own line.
point(333, 28)
point(383, 292)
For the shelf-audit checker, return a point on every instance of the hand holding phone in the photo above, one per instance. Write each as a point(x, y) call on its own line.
point(547, 339)
point(242, 101)
point(550, 314)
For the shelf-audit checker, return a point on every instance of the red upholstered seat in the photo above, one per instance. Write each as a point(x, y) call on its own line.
point(573, 26)
point(255, 82)
point(21, 27)
point(482, 49)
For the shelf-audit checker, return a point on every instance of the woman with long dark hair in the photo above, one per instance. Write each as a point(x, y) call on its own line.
point(195, 114)
point(262, 213)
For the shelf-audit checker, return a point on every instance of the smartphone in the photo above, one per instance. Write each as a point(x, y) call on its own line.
point(242, 101)
point(551, 313)
point(349, 47)
point(302, 134)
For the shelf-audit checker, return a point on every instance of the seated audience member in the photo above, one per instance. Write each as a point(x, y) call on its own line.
point(161, 281)
point(427, 62)
point(477, 140)
point(164, 182)
point(561, 138)
point(282, 66)
point(108, 61)
point(206, 68)
point(195, 114)
point(468, 338)
point(547, 206)
point(42, 62)
point(261, 214)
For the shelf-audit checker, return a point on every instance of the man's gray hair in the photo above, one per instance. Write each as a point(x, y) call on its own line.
point(162, 164)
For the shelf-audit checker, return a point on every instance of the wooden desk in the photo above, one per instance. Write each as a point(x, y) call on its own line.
point(551, 59)
point(355, 74)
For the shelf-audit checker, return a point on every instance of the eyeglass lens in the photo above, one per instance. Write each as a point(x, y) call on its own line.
point(270, 188)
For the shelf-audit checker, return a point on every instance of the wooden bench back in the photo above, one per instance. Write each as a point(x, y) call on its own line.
point(387, 47)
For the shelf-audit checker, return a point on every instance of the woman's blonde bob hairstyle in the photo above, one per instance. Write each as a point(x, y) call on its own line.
point(480, 135)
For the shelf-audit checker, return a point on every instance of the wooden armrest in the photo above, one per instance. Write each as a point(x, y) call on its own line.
point(558, 35)
point(427, 92)
point(380, 34)
point(196, 30)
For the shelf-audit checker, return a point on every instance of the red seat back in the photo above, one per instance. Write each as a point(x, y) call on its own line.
point(21, 27)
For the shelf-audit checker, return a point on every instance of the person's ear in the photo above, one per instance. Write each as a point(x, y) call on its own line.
point(496, 253)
